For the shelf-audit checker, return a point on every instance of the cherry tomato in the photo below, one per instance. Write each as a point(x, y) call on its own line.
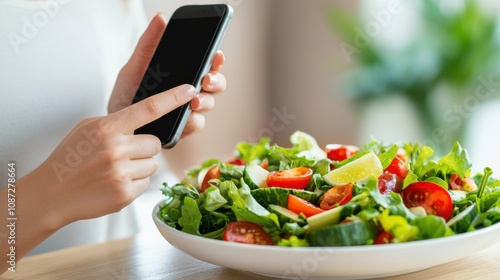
point(389, 182)
point(338, 195)
point(295, 178)
point(457, 183)
point(264, 164)
point(433, 198)
point(213, 173)
point(383, 238)
point(236, 161)
point(246, 232)
point(398, 167)
point(299, 205)
point(337, 152)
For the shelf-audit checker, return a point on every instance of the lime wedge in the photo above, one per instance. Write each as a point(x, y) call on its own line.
point(355, 171)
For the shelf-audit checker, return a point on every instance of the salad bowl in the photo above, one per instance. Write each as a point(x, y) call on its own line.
point(353, 262)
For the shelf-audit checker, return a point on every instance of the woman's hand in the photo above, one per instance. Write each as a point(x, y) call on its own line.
point(98, 168)
point(130, 78)
point(101, 166)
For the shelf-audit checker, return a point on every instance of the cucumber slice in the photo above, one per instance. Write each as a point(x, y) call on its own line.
point(461, 222)
point(279, 196)
point(348, 234)
point(268, 196)
point(255, 176)
point(285, 215)
point(324, 219)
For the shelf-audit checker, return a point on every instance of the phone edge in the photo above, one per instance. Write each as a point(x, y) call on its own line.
point(206, 68)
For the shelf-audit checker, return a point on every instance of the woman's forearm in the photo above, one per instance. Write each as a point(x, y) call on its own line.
point(24, 221)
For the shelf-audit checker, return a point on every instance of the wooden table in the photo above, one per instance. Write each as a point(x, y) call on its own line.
point(149, 256)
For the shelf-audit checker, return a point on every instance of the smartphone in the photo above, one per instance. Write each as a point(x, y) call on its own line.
point(184, 56)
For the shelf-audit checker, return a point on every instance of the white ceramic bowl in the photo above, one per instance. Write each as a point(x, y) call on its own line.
point(356, 262)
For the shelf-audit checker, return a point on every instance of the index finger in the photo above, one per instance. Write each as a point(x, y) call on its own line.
point(129, 119)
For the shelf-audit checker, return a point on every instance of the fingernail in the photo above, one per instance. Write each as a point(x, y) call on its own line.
point(200, 101)
point(212, 79)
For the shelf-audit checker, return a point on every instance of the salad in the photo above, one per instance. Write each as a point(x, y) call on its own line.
point(339, 195)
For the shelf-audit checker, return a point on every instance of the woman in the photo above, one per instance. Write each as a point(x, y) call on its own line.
point(58, 68)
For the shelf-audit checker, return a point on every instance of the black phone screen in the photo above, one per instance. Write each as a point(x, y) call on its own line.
point(179, 58)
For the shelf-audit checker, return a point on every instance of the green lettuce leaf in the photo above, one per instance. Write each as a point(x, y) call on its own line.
point(250, 152)
point(213, 199)
point(456, 161)
point(190, 219)
point(306, 146)
point(397, 226)
point(432, 226)
point(387, 157)
point(293, 241)
point(393, 202)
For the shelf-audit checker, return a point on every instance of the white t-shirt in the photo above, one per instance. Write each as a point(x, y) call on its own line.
point(59, 61)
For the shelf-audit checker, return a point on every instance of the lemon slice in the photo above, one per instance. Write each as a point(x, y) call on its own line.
point(355, 171)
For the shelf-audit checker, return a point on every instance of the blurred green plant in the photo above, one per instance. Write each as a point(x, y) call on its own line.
point(450, 48)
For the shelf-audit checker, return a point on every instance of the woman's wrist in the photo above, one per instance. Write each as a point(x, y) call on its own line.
point(41, 207)
point(35, 219)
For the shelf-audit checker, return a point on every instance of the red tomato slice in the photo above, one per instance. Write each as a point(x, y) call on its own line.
point(398, 167)
point(457, 183)
point(295, 178)
point(389, 182)
point(213, 173)
point(338, 195)
point(236, 161)
point(383, 238)
point(246, 232)
point(337, 152)
point(299, 205)
point(433, 198)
